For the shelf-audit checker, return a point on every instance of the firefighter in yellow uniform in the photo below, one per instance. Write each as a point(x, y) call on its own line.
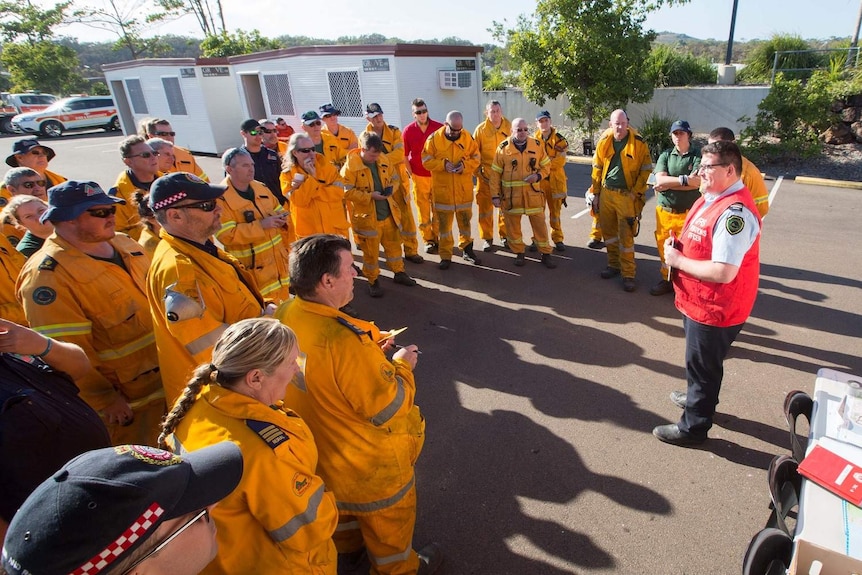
point(488, 135)
point(184, 161)
point(142, 169)
point(87, 286)
point(360, 407)
point(254, 227)
point(345, 137)
point(621, 167)
point(11, 262)
point(195, 290)
point(555, 187)
point(751, 175)
point(519, 166)
point(280, 518)
point(369, 184)
point(393, 149)
point(451, 155)
point(324, 142)
point(315, 191)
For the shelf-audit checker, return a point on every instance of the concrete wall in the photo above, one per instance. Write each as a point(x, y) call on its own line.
point(705, 107)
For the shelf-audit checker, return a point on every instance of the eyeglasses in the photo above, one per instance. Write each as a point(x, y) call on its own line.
point(33, 184)
point(314, 123)
point(705, 167)
point(102, 212)
point(522, 130)
point(166, 133)
point(266, 131)
point(204, 206)
point(145, 155)
point(305, 150)
point(202, 513)
point(417, 112)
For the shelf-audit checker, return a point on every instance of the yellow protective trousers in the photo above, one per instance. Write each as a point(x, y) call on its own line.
point(387, 235)
point(444, 221)
point(665, 222)
point(425, 207)
point(387, 534)
point(595, 227)
point(486, 212)
point(554, 201)
point(408, 222)
point(615, 210)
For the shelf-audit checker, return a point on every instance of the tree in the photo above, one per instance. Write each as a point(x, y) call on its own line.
point(591, 51)
point(43, 65)
point(21, 20)
point(208, 13)
point(240, 42)
point(128, 20)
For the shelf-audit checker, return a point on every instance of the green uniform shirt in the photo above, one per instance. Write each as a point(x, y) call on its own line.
point(381, 207)
point(677, 164)
point(615, 177)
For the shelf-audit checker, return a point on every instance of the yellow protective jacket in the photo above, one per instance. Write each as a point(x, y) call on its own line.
point(263, 252)
point(556, 147)
point(358, 185)
point(11, 262)
point(508, 171)
point(451, 191)
point(317, 206)
point(753, 180)
point(101, 307)
point(346, 138)
point(280, 518)
point(193, 297)
point(635, 160)
point(53, 178)
point(358, 404)
point(148, 241)
point(332, 149)
point(128, 220)
point(488, 138)
point(184, 161)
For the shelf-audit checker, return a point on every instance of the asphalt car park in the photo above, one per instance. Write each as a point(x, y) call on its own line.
point(541, 388)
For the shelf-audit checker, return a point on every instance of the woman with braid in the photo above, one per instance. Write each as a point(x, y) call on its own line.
point(280, 518)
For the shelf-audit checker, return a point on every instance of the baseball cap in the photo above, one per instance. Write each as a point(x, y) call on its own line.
point(543, 114)
point(72, 198)
point(105, 503)
point(249, 125)
point(680, 125)
point(373, 110)
point(172, 188)
point(23, 147)
point(329, 110)
point(310, 117)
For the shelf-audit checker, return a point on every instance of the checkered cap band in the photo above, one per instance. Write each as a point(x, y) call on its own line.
point(140, 527)
point(169, 200)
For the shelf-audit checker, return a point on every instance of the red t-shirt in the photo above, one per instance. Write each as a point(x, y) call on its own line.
point(414, 141)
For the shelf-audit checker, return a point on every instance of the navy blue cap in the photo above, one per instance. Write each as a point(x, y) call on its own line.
point(680, 125)
point(72, 198)
point(373, 110)
point(23, 147)
point(543, 114)
point(329, 110)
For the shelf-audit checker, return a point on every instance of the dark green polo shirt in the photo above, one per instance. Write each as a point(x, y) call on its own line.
point(676, 164)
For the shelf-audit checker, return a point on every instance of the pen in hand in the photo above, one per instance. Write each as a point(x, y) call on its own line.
point(396, 346)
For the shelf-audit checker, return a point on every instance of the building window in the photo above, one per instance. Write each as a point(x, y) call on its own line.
point(345, 92)
point(136, 95)
point(175, 96)
point(278, 94)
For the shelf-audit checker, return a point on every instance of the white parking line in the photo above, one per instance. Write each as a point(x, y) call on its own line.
point(581, 213)
point(774, 189)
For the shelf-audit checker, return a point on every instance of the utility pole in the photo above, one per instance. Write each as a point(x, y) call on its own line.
point(852, 54)
point(727, 56)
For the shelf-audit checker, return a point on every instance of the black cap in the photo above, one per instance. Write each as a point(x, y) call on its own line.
point(104, 504)
point(373, 110)
point(178, 186)
point(249, 125)
point(329, 110)
point(23, 147)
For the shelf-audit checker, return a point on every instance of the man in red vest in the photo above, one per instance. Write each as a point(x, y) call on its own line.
point(715, 268)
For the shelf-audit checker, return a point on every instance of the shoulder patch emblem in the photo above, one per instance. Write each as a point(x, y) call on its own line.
point(300, 483)
point(150, 455)
point(48, 264)
point(270, 433)
point(734, 224)
point(387, 372)
point(44, 295)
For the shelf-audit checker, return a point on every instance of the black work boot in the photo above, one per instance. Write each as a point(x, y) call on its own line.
point(470, 255)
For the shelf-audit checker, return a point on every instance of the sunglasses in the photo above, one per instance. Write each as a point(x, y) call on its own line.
point(33, 184)
point(203, 513)
point(255, 132)
point(204, 206)
point(305, 150)
point(266, 131)
point(166, 133)
point(417, 112)
point(102, 212)
point(523, 130)
point(314, 123)
point(145, 155)
point(37, 152)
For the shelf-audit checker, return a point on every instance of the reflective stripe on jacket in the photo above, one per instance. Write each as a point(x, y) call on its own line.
point(451, 191)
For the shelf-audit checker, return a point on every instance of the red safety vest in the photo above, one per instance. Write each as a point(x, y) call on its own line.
point(710, 303)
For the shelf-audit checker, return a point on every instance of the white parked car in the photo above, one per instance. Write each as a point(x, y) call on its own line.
point(70, 114)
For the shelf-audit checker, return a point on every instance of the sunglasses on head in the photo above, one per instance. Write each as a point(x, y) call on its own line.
point(102, 212)
point(204, 206)
point(166, 133)
point(144, 155)
point(305, 150)
point(33, 184)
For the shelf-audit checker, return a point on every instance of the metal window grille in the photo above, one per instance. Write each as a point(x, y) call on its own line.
point(345, 92)
point(136, 95)
point(174, 94)
point(278, 94)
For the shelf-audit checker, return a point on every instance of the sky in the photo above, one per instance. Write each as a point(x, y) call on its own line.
point(470, 19)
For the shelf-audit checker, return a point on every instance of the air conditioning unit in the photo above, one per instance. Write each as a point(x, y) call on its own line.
point(451, 80)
